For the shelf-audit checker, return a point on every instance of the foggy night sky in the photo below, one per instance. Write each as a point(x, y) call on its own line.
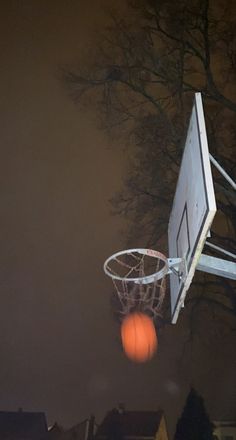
point(60, 350)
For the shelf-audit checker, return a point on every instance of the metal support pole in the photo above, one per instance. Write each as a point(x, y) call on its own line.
point(222, 171)
point(217, 266)
point(218, 248)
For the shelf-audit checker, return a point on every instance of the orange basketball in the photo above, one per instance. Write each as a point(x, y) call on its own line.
point(138, 337)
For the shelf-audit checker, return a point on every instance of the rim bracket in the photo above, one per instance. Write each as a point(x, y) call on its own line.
point(177, 266)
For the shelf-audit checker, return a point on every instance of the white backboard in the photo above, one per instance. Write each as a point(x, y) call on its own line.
point(193, 208)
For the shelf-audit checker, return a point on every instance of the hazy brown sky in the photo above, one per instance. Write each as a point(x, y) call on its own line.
point(60, 350)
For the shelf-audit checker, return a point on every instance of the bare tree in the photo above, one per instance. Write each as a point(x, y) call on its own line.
point(143, 78)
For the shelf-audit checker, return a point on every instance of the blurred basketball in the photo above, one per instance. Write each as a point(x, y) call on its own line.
point(138, 337)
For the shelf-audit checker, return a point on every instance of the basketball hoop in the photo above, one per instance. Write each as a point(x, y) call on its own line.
point(139, 277)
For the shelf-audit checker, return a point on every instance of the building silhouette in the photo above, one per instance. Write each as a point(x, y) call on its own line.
point(120, 424)
point(21, 425)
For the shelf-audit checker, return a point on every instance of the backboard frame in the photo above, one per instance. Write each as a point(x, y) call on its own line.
point(194, 207)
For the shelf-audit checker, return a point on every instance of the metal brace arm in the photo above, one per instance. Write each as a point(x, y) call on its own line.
point(222, 171)
point(217, 266)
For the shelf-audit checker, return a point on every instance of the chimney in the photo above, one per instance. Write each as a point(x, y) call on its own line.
point(91, 425)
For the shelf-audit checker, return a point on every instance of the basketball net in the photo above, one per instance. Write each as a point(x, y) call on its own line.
point(139, 278)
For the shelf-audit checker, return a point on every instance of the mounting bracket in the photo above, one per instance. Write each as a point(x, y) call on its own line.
point(177, 266)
